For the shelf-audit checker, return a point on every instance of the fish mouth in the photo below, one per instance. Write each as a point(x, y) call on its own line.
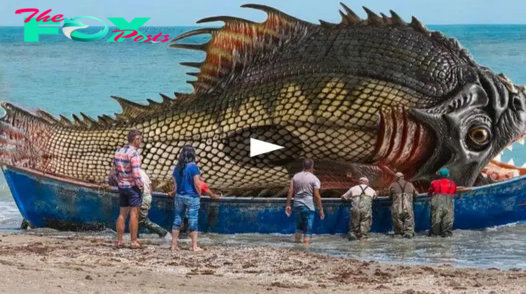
point(500, 168)
point(503, 166)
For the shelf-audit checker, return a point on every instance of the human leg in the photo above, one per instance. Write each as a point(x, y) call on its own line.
point(448, 219)
point(145, 207)
point(397, 222)
point(308, 216)
point(123, 214)
point(300, 224)
point(355, 223)
point(135, 204)
point(366, 221)
point(124, 210)
point(193, 215)
point(436, 219)
point(145, 221)
point(409, 224)
point(179, 210)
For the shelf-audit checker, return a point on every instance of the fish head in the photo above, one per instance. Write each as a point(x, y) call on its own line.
point(473, 126)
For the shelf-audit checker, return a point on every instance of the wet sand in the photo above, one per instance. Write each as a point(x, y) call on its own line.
point(40, 264)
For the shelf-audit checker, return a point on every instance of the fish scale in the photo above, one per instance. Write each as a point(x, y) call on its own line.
point(337, 93)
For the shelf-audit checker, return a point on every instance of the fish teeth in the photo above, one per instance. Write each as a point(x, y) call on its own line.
point(498, 157)
point(510, 147)
point(524, 165)
point(521, 141)
point(511, 162)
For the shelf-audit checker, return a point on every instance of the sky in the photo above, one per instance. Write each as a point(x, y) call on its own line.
point(187, 12)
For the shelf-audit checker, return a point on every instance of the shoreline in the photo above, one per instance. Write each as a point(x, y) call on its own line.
point(37, 263)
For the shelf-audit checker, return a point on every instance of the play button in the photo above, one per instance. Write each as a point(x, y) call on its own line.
point(258, 147)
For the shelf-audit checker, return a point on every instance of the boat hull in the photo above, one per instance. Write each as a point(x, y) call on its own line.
point(47, 201)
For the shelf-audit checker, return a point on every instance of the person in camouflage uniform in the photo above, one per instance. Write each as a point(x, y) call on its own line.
point(361, 211)
point(144, 221)
point(442, 192)
point(403, 194)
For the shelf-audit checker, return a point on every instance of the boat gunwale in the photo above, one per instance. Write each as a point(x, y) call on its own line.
point(421, 196)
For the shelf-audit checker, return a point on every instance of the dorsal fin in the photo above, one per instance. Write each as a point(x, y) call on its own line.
point(239, 42)
point(47, 116)
point(105, 120)
point(130, 110)
point(78, 122)
point(64, 121)
point(235, 45)
point(90, 122)
point(351, 19)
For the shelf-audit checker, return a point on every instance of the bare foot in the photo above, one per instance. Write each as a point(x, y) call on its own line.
point(175, 248)
point(119, 244)
point(197, 249)
point(135, 245)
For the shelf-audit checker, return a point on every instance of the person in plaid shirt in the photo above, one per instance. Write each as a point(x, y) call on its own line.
point(126, 168)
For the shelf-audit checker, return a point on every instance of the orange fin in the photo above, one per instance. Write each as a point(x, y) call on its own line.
point(238, 44)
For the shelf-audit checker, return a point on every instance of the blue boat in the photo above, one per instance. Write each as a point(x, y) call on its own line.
point(48, 201)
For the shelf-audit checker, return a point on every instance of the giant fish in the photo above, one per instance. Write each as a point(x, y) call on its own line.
point(363, 97)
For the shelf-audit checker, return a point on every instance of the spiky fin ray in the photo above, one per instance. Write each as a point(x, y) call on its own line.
point(351, 19)
point(130, 110)
point(237, 43)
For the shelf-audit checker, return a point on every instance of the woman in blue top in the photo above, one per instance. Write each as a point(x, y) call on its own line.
point(187, 191)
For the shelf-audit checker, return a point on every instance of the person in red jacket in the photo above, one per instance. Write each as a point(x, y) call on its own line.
point(442, 192)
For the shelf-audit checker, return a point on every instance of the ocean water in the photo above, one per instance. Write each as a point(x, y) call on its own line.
point(67, 77)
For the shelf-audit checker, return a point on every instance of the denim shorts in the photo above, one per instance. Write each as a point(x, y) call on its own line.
point(130, 197)
point(304, 220)
point(189, 205)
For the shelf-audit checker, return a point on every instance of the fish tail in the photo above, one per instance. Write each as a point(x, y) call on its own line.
point(22, 134)
point(39, 141)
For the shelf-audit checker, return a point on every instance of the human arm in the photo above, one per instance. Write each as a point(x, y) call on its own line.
point(347, 195)
point(288, 209)
point(317, 198)
point(431, 189)
point(197, 184)
point(213, 195)
point(207, 191)
point(458, 190)
point(172, 194)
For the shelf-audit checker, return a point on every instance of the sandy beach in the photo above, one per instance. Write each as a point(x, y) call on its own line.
point(40, 264)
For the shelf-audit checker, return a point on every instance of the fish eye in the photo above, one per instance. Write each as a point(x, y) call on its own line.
point(479, 136)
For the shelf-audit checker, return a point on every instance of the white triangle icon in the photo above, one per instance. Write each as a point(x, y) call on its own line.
point(258, 147)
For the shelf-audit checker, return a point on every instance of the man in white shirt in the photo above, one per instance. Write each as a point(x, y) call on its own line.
point(145, 207)
point(361, 211)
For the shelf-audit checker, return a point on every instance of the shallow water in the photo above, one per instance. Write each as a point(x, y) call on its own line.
point(500, 247)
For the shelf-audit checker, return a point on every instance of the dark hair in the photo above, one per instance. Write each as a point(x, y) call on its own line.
point(186, 155)
point(308, 163)
point(133, 134)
